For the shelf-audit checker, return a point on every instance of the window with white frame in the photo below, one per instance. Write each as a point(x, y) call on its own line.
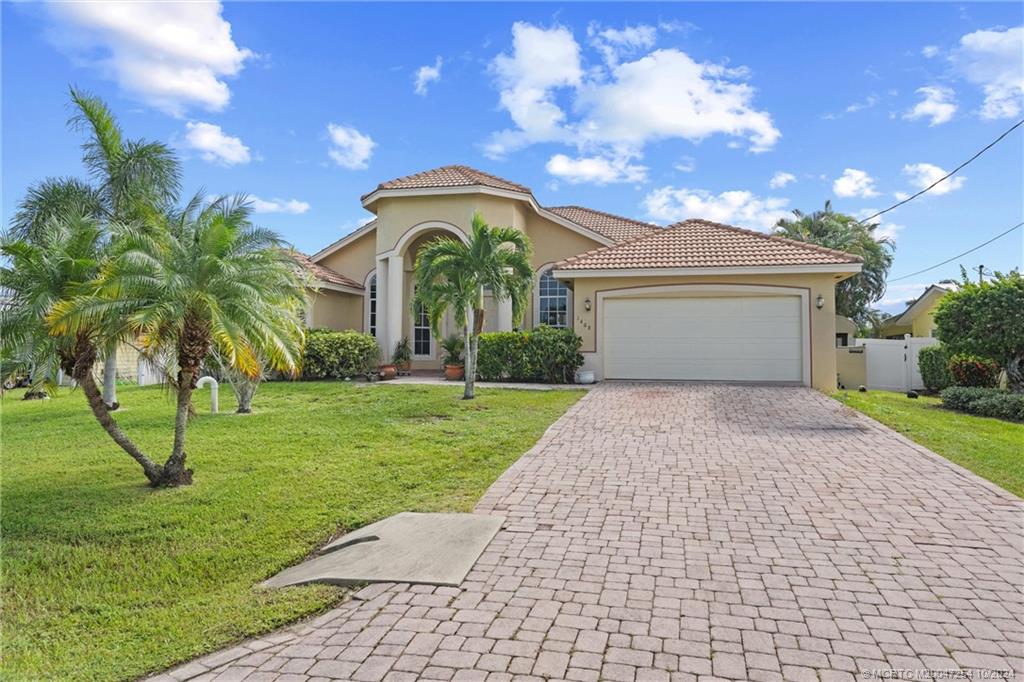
point(552, 301)
point(420, 330)
point(372, 307)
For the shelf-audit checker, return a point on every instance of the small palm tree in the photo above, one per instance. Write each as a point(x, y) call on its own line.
point(205, 278)
point(453, 274)
point(58, 264)
point(133, 178)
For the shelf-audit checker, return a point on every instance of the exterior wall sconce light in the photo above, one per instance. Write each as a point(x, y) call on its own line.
point(820, 302)
point(586, 304)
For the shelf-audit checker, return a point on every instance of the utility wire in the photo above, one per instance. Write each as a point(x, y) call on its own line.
point(950, 260)
point(948, 175)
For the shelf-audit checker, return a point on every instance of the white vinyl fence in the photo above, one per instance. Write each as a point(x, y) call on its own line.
point(892, 363)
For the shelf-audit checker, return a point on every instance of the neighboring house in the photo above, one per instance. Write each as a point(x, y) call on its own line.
point(917, 319)
point(696, 300)
point(846, 331)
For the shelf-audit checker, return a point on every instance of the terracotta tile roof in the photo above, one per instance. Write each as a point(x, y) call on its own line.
point(450, 176)
point(612, 226)
point(704, 244)
point(324, 274)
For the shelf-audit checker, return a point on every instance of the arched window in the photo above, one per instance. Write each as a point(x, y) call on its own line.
point(552, 301)
point(371, 303)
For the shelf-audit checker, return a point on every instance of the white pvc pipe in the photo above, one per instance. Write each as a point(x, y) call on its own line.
point(212, 383)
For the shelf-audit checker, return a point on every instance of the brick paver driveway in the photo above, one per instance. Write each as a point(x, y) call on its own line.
point(673, 531)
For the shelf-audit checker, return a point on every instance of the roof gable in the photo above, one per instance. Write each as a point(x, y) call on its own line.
point(449, 176)
point(919, 305)
point(323, 273)
point(617, 228)
point(705, 244)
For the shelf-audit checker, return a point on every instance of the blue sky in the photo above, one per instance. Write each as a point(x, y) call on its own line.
point(733, 112)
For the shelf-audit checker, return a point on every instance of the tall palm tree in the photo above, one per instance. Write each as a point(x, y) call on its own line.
point(207, 277)
point(855, 295)
point(453, 274)
point(59, 263)
point(134, 179)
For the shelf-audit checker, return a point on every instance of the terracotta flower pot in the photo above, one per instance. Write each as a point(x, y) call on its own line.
point(388, 372)
point(454, 372)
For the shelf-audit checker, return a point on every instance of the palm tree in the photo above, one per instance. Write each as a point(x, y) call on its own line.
point(134, 178)
point(206, 278)
point(59, 263)
point(854, 296)
point(453, 274)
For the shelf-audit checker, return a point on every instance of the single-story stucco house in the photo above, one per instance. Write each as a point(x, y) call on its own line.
point(918, 319)
point(696, 300)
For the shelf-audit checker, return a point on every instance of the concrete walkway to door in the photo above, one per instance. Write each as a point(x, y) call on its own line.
point(685, 531)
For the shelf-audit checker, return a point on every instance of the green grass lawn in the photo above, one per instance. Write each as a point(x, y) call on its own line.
point(107, 579)
point(991, 448)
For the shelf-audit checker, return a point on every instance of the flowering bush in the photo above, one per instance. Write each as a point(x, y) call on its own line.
point(970, 370)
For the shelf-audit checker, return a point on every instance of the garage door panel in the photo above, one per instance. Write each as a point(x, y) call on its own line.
point(704, 338)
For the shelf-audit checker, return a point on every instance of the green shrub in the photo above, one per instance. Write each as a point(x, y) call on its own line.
point(933, 362)
point(331, 354)
point(554, 354)
point(986, 402)
point(970, 370)
point(502, 356)
point(545, 354)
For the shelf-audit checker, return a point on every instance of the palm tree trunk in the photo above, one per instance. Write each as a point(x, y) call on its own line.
point(110, 380)
point(175, 472)
point(83, 375)
point(470, 369)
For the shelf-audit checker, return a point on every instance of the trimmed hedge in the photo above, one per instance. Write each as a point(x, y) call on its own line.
point(545, 354)
point(985, 402)
point(330, 354)
point(933, 361)
point(970, 370)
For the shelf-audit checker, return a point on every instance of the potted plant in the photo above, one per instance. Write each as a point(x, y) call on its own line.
point(402, 357)
point(453, 346)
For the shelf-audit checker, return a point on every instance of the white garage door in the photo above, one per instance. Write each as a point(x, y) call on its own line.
point(757, 338)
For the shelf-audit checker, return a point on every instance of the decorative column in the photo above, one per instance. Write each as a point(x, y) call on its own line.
point(395, 304)
point(505, 315)
point(382, 305)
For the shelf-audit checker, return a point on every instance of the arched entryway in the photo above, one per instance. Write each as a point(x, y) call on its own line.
point(401, 318)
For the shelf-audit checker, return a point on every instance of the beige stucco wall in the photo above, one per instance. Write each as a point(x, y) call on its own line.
point(924, 323)
point(337, 310)
point(851, 366)
point(845, 325)
point(398, 215)
point(356, 259)
point(822, 322)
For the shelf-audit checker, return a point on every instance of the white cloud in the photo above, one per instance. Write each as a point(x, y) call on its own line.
point(781, 179)
point(737, 207)
point(938, 103)
point(930, 51)
point(614, 44)
point(994, 59)
point(349, 147)
point(425, 75)
point(215, 145)
point(292, 206)
point(618, 107)
point(686, 164)
point(666, 94)
point(541, 61)
point(888, 231)
point(854, 183)
point(170, 55)
point(901, 293)
point(870, 101)
point(596, 170)
point(924, 174)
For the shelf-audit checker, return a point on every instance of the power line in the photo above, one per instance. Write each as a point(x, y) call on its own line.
point(961, 255)
point(948, 175)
